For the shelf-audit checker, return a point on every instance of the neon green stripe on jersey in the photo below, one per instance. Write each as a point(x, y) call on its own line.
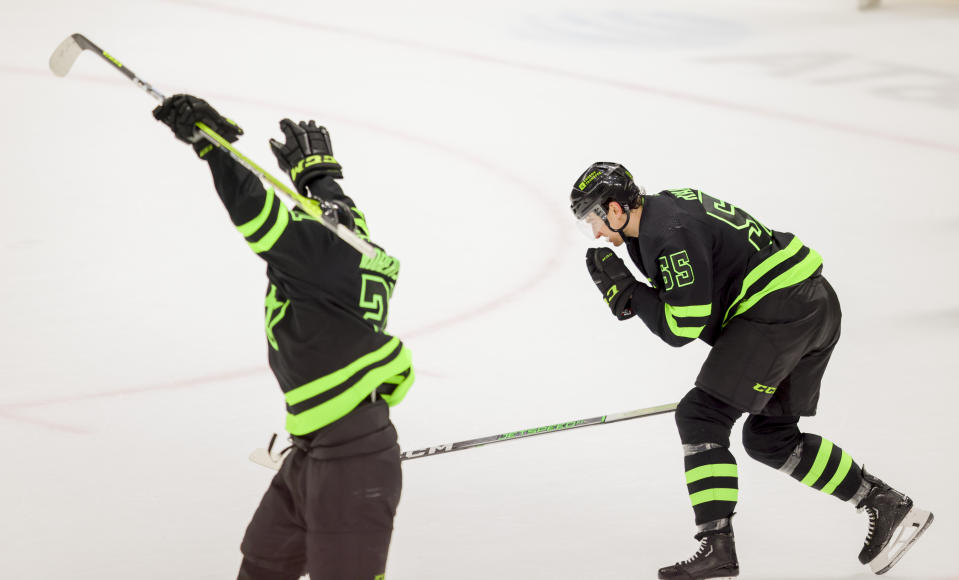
point(270, 238)
point(250, 227)
point(399, 392)
point(325, 383)
point(697, 311)
point(759, 271)
point(794, 275)
point(337, 407)
point(690, 311)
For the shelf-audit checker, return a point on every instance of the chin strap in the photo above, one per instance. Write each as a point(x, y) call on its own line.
point(619, 231)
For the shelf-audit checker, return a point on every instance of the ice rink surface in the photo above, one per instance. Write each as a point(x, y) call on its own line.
point(133, 377)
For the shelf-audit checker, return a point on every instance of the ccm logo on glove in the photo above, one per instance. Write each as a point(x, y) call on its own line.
point(308, 162)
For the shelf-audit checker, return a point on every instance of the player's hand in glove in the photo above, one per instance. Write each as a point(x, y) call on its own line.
point(306, 154)
point(181, 113)
point(610, 275)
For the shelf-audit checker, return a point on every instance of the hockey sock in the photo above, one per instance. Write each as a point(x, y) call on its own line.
point(822, 465)
point(712, 481)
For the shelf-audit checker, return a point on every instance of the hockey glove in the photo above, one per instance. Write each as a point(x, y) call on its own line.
point(181, 113)
point(306, 154)
point(610, 275)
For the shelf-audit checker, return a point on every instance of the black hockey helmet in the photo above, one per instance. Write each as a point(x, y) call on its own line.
point(600, 184)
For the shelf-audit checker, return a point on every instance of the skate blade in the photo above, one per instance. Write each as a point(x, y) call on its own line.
point(911, 527)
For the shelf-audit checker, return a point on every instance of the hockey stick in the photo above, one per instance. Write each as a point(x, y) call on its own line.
point(266, 457)
point(66, 54)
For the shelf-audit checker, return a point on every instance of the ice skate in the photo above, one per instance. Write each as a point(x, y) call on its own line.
point(895, 523)
point(715, 558)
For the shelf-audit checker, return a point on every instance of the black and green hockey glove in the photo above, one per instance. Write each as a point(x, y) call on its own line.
point(181, 113)
point(610, 275)
point(306, 154)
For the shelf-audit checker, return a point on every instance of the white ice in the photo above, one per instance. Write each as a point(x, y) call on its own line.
point(133, 378)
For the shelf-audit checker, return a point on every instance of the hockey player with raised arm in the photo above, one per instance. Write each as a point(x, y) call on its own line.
point(758, 298)
point(329, 511)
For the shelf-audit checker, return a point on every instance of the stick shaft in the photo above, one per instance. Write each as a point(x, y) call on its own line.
point(544, 430)
point(86, 44)
point(66, 58)
point(266, 458)
point(309, 206)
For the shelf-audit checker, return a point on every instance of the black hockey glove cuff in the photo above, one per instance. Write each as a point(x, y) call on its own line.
point(614, 281)
point(306, 154)
point(181, 113)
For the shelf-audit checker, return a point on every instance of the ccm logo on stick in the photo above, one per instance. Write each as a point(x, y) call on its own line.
point(429, 450)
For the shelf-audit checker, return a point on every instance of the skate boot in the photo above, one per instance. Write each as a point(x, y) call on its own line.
point(715, 558)
point(895, 522)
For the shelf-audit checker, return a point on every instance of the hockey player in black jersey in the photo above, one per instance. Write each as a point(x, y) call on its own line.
point(329, 511)
point(758, 297)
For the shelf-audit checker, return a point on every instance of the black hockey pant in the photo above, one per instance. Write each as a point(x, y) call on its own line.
point(705, 423)
point(329, 511)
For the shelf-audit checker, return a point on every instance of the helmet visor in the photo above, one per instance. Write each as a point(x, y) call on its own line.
point(593, 222)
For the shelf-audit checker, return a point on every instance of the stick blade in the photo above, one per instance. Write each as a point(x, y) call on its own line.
point(64, 56)
point(263, 457)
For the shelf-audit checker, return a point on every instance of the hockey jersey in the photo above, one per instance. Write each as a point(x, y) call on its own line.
point(326, 304)
point(708, 261)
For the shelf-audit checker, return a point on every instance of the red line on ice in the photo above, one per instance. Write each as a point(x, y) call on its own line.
point(579, 76)
point(546, 269)
point(543, 272)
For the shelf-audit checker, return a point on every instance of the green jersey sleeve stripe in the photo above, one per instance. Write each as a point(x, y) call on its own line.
point(686, 311)
point(269, 239)
point(685, 331)
point(690, 311)
point(250, 227)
